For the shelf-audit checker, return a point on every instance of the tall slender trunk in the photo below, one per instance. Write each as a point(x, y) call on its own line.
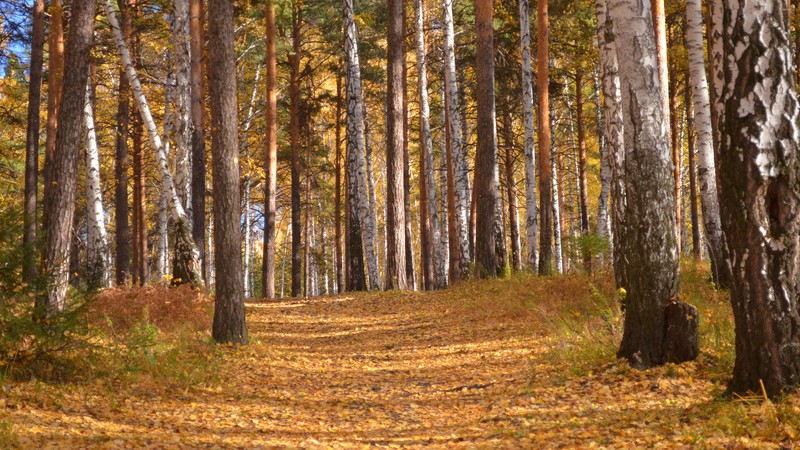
point(486, 189)
point(603, 217)
point(531, 219)
point(184, 244)
point(545, 171)
point(614, 135)
point(229, 319)
point(55, 76)
point(121, 210)
point(271, 163)
point(706, 167)
point(692, 169)
point(197, 79)
point(658, 328)
point(59, 208)
point(555, 202)
point(583, 191)
point(32, 142)
point(139, 274)
point(294, 141)
point(98, 253)
point(395, 195)
point(337, 245)
point(444, 189)
point(248, 182)
point(460, 260)
point(511, 188)
point(363, 231)
point(675, 146)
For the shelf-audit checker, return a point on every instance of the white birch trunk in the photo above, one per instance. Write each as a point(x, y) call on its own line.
point(603, 217)
point(185, 246)
point(444, 226)
point(558, 259)
point(531, 208)
point(162, 262)
point(355, 144)
point(426, 147)
point(706, 171)
point(461, 182)
point(183, 97)
point(98, 252)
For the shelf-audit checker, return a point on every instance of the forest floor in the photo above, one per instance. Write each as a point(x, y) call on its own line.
point(484, 365)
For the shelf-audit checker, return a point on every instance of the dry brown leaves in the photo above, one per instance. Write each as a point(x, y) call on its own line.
point(390, 370)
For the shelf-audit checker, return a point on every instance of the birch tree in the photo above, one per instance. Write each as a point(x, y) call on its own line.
point(760, 194)
point(366, 230)
point(531, 219)
point(658, 328)
point(98, 253)
point(614, 133)
point(706, 171)
point(185, 248)
point(460, 175)
point(181, 49)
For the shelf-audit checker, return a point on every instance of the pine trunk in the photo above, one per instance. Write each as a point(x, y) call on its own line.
point(229, 317)
point(545, 171)
point(55, 76)
point(121, 210)
point(337, 245)
point(294, 143)
point(32, 142)
point(271, 163)
point(197, 78)
point(59, 208)
point(511, 188)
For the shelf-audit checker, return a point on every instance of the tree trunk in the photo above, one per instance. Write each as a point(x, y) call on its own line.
point(584, 196)
point(759, 199)
point(362, 223)
point(395, 196)
point(692, 171)
point(248, 182)
point(271, 163)
point(653, 333)
point(32, 142)
point(184, 245)
point(545, 172)
point(55, 75)
point(139, 275)
point(460, 260)
point(511, 188)
point(411, 275)
point(531, 223)
point(614, 135)
point(486, 189)
point(340, 283)
point(98, 254)
point(294, 141)
point(603, 217)
point(182, 121)
point(121, 210)
point(555, 201)
point(706, 169)
point(59, 208)
point(229, 321)
point(198, 189)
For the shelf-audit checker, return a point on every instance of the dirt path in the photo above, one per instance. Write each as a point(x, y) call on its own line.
point(383, 370)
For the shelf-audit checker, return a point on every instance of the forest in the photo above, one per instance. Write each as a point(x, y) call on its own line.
point(346, 224)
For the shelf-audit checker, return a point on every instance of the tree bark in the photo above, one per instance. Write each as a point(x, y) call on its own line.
point(55, 76)
point(395, 196)
point(460, 259)
point(271, 163)
point(511, 188)
point(362, 223)
point(706, 167)
point(486, 189)
point(229, 317)
point(759, 201)
point(198, 189)
point(59, 208)
point(651, 335)
point(294, 142)
point(545, 172)
point(98, 253)
point(531, 219)
point(121, 210)
point(340, 283)
point(614, 135)
point(690, 148)
point(603, 217)
point(184, 244)
point(32, 142)
point(583, 191)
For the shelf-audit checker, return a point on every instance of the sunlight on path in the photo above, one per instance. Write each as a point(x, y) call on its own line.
point(385, 370)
